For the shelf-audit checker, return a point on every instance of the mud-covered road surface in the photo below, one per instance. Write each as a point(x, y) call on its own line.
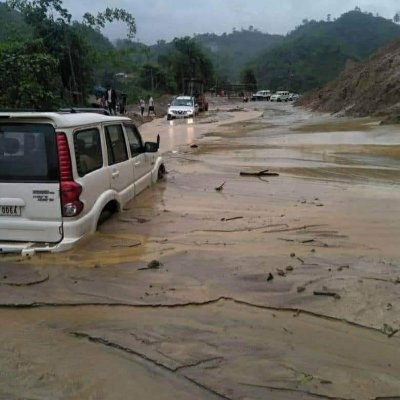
point(273, 287)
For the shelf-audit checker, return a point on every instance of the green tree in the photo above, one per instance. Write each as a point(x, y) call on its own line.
point(248, 78)
point(187, 60)
point(28, 76)
point(67, 41)
point(154, 78)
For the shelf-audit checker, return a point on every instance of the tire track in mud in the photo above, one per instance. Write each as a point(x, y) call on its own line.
point(306, 392)
point(286, 310)
point(143, 357)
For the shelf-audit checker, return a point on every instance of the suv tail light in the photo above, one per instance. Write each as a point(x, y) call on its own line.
point(70, 190)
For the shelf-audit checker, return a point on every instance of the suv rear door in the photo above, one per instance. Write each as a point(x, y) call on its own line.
point(30, 208)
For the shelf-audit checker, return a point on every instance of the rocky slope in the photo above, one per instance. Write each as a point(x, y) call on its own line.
point(370, 87)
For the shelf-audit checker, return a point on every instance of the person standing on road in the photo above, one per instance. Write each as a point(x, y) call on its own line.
point(142, 106)
point(151, 106)
point(111, 99)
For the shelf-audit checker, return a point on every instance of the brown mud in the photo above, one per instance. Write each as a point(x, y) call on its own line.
point(233, 309)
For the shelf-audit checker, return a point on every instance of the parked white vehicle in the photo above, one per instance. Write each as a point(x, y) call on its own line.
point(261, 95)
point(279, 96)
point(61, 173)
point(293, 96)
point(182, 107)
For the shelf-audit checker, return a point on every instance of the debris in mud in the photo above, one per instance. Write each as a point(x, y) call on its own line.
point(327, 293)
point(342, 267)
point(127, 245)
point(24, 282)
point(230, 219)
point(292, 255)
point(140, 220)
point(162, 241)
point(301, 289)
point(260, 173)
point(289, 268)
point(325, 382)
point(270, 277)
point(389, 330)
point(194, 146)
point(280, 272)
point(220, 187)
point(154, 264)
point(389, 306)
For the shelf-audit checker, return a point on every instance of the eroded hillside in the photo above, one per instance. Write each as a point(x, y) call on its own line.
point(370, 87)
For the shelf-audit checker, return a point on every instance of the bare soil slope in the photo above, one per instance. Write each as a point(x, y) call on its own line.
point(371, 87)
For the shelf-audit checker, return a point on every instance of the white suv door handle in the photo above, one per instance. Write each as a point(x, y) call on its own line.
point(115, 174)
point(137, 163)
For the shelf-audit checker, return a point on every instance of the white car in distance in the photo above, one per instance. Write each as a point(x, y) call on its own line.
point(182, 107)
point(261, 95)
point(280, 96)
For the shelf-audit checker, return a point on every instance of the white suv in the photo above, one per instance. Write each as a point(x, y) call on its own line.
point(261, 95)
point(61, 173)
point(280, 96)
point(182, 107)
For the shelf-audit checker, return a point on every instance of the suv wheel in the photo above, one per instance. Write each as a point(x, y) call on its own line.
point(161, 172)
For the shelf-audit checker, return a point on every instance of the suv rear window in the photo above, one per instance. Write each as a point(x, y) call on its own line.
point(28, 153)
point(88, 152)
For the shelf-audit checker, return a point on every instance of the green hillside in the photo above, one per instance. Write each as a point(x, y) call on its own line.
point(230, 52)
point(11, 23)
point(316, 52)
point(306, 58)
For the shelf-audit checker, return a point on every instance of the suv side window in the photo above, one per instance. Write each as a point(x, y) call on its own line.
point(88, 152)
point(116, 146)
point(134, 139)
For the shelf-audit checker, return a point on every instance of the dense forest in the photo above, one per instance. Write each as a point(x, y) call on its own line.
point(48, 60)
point(230, 52)
point(316, 52)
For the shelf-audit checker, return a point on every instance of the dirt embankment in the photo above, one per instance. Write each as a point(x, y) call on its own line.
point(370, 87)
point(160, 106)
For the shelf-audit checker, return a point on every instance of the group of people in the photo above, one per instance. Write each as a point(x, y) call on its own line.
point(110, 101)
point(142, 105)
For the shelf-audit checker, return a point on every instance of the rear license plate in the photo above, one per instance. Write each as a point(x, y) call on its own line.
point(10, 210)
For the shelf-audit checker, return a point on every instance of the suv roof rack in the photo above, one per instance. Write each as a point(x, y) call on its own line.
point(25, 110)
point(74, 110)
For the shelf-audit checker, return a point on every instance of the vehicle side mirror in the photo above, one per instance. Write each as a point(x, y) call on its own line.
point(169, 104)
point(151, 147)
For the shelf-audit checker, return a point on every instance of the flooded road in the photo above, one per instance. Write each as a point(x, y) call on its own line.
point(278, 287)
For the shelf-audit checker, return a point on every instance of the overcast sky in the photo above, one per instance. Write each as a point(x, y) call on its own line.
point(166, 19)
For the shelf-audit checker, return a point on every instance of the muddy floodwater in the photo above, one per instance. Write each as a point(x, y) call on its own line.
point(216, 285)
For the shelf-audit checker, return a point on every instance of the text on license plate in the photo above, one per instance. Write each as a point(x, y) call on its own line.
point(10, 210)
